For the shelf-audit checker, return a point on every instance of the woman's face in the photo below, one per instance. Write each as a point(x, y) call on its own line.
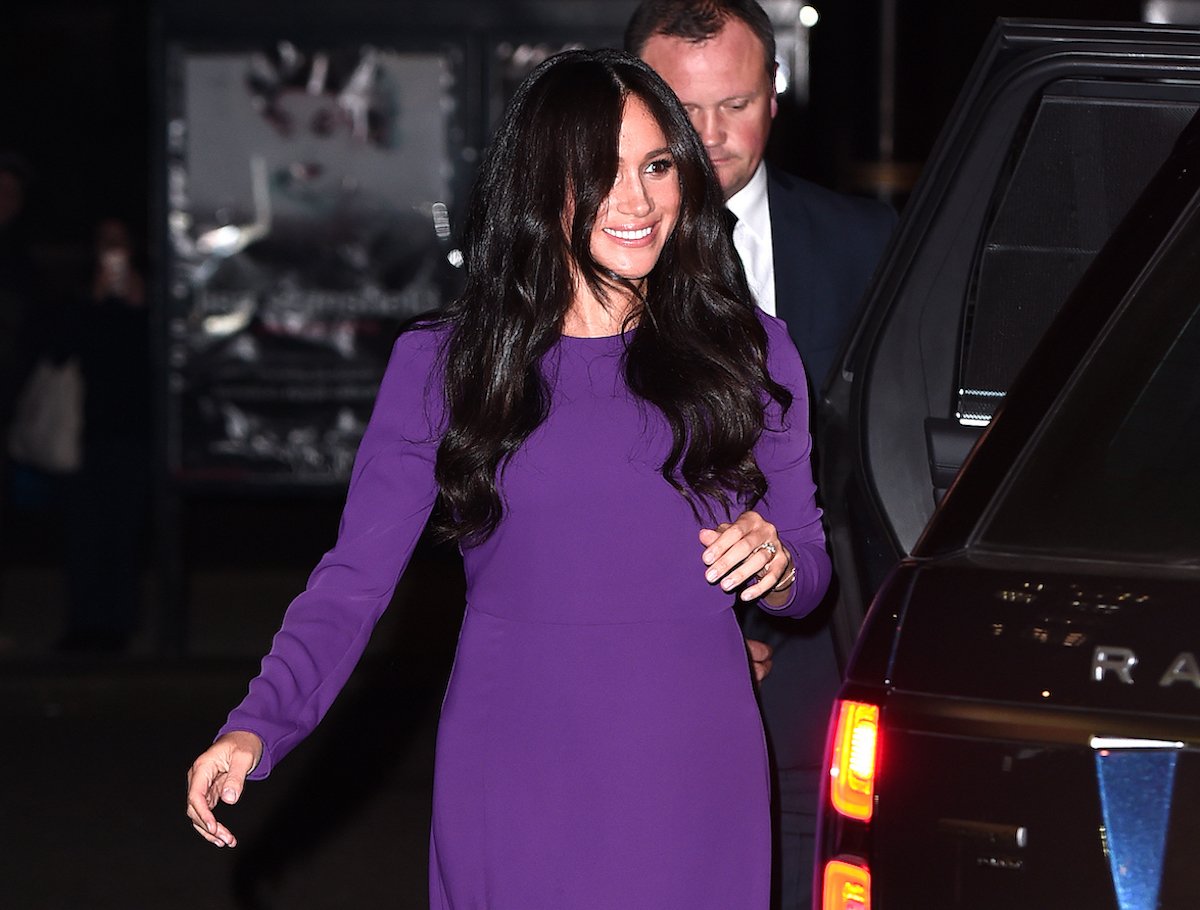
point(636, 220)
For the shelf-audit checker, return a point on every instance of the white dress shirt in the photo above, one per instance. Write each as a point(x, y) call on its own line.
point(752, 237)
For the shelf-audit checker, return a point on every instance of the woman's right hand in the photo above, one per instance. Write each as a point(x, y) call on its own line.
point(219, 774)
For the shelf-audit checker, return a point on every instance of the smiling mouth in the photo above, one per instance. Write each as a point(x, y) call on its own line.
point(639, 234)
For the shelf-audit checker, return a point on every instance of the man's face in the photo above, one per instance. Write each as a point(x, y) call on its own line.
point(726, 89)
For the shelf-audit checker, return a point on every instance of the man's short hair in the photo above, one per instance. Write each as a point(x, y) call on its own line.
point(698, 20)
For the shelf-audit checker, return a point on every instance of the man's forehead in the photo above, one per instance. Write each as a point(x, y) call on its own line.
point(703, 71)
point(728, 64)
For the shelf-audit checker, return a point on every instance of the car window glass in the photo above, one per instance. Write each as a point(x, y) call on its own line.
point(1115, 473)
point(1083, 162)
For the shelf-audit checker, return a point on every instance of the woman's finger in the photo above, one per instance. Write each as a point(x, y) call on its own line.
point(218, 839)
point(200, 813)
point(728, 549)
point(240, 764)
point(756, 571)
point(740, 550)
point(763, 582)
point(201, 777)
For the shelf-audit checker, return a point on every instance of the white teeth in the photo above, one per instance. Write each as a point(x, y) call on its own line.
point(629, 235)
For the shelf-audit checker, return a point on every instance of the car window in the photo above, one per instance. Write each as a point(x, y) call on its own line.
point(1114, 473)
point(1041, 183)
point(1087, 155)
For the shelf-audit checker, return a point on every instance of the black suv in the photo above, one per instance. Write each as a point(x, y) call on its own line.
point(1019, 725)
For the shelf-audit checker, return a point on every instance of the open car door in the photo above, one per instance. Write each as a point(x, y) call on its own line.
point(1058, 130)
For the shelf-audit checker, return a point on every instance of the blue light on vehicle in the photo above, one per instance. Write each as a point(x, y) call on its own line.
point(1135, 798)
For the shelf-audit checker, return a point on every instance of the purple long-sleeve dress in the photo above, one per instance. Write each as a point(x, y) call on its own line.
point(600, 747)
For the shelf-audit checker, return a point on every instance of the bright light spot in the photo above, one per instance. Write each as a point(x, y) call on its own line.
point(219, 241)
point(783, 76)
point(1045, 693)
point(847, 886)
point(862, 751)
point(809, 16)
point(852, 762)
point(441, 220)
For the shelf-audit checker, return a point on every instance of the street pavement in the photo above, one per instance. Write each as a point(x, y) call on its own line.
point(96, 748)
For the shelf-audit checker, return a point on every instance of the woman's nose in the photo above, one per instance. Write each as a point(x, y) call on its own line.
point(631, 196)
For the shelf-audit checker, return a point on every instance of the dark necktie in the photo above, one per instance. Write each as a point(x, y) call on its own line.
point(730, 220)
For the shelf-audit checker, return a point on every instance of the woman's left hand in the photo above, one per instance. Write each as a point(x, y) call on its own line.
point(749, 549)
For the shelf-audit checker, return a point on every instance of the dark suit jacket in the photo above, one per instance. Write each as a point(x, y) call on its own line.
point(826, 246)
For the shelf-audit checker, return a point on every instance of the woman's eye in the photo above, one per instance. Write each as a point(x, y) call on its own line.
point(660, 166)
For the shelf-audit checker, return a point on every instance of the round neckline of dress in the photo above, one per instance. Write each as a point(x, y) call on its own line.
point(567, 337)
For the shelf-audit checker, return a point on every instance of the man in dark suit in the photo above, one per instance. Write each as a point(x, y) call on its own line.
point(809, 254)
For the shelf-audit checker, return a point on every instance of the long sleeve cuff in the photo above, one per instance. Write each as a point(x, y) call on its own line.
point(812, 580)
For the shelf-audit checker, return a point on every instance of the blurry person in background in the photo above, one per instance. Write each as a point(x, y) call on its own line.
point(16, 285)
point(108, 501)
point(19, 325)
point(809, 254)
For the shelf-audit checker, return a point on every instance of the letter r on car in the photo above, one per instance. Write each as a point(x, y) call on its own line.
point(1119, 661)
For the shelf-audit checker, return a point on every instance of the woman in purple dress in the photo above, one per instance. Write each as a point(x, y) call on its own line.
point(618, 438)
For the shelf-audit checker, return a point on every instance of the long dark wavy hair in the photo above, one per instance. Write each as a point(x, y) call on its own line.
point(698, 351)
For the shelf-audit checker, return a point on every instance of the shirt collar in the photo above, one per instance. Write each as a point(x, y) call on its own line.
point(750, 203)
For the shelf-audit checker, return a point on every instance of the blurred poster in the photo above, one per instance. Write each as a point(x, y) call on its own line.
point(309, 199)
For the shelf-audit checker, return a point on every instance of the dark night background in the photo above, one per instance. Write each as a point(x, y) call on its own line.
point(76, 99)
point(95, 747)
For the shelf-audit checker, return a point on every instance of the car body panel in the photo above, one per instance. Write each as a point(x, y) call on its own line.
point(1034, 646)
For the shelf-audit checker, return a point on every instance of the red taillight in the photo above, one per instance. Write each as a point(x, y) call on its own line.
point(852, 765)
point(847, 887)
